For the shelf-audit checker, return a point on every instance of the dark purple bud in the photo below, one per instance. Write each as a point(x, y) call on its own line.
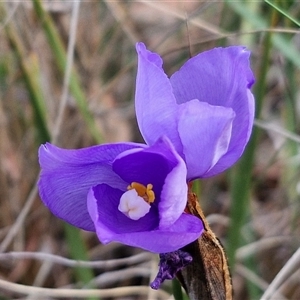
point(169, 264)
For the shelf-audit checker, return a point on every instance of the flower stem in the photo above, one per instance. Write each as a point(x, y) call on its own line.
point(242, 175)
point(59, 53)
point(177, 291)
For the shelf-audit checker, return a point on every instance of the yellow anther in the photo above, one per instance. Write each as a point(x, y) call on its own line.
point(145, 192)
point(140, 189)
point(150, 194)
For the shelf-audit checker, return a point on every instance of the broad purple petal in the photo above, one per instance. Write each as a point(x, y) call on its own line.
point(184, 231)
point(112, 225)
point(143, 166)
point(205, 132)
point(161, 166)
point(67, 176)
point(220, 77)
point(155, 103)
point(238, 142)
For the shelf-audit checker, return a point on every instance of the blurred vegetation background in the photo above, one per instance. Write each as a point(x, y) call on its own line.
point(67, 75)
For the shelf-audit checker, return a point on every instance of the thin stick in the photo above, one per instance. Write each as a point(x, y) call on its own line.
point(283, 275)
point(277, 129)
point(68, 70)
point(258, 281)
point(106, 264)
point(113, 278)
point(20, 219)
point(178, 14)
point(261, 245)
point(9, 16)
point(76, 293)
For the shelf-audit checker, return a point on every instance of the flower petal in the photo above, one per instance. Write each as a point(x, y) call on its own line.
point(239, 139)
point(205, 131)
point(155, 103)
point(112, 225)
point(103, 202)
point(161, 166)
point(174, 193)
point(67, 176)
point(220, 77)
point(148, 165)
point(184, 231)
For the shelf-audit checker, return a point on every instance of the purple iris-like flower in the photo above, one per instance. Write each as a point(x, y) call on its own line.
point(196, 124)
point(126, 192)
point(206, 108)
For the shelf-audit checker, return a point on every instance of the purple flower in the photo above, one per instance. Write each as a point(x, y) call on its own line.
point(196, 124)
point(206, 108)
point(126, 192)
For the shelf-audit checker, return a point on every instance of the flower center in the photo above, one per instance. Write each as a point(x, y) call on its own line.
point(145, 192)
point(135, 203)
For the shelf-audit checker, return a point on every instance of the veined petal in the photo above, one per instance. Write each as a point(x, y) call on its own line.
point(238, 141)
point(205, 131)
point(113, 226)
point(148, 165)
point(221, 77)
point(155, 103)
point(184, 231)
point(67, 176)
point(216, 76)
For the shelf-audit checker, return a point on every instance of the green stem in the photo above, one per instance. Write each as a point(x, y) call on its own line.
point(177, 291)
point(60, 56)
point(30, 71)
point(78, 251)
point(242, 175)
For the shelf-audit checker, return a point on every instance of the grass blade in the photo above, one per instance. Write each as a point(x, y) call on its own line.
point(283, 12)
point(59, 52)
